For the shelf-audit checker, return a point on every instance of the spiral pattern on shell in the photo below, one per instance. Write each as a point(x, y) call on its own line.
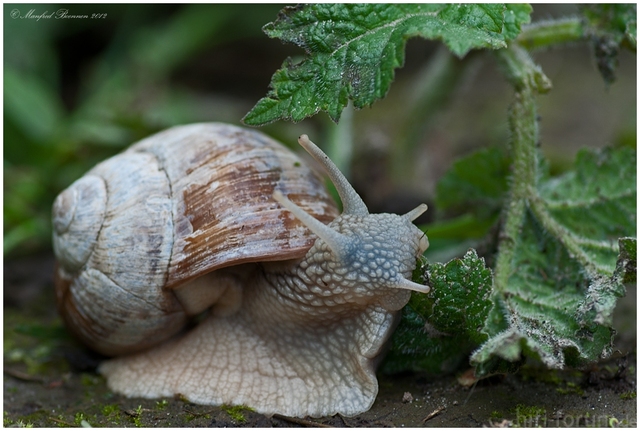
point(171, 208)
point(78, 214)
point(113, 256)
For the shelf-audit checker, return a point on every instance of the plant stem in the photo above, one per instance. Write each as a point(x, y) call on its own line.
point(547, 33)
point(521, 71)
point(526, 77)
point(524, 131)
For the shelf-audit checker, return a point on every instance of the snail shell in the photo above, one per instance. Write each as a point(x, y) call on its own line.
point(168, 211)
point(212, 217)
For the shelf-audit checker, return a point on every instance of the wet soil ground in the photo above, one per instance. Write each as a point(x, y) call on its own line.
point(50, 381)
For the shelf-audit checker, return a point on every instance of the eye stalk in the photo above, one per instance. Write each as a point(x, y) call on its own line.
point(416, 212)
point(352, 203)
point(403, 283)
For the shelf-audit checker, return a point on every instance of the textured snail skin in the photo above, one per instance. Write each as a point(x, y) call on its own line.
point(305, 341)
point(298, 337)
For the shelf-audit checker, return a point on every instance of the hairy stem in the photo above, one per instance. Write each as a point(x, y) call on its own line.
point(526, 77)
point(548, 33)
point(524, 131)
point(521, 71)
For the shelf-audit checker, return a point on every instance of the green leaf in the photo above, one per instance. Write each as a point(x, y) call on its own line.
point(457, 306)
point(476, 183)
point(415, 348)
point(459, 300)
point(473, 191)
point(353, 50)
point(568, 269)
point(592, 206)
point(514, 17)
point(566, 274)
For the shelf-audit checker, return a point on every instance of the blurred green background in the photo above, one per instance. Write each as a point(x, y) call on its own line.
point(79, 90)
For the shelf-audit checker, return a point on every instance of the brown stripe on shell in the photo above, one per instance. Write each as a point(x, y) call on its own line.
point(222, 180)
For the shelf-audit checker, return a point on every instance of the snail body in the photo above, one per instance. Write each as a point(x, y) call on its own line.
point(298, 300)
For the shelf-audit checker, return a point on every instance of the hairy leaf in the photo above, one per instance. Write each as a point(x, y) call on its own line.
point(353, 50)
point(566, 275)
point(438, 327)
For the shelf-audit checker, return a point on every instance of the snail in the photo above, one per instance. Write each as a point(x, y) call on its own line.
point(211, 262)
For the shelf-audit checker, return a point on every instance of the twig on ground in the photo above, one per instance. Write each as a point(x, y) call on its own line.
point(433, 414)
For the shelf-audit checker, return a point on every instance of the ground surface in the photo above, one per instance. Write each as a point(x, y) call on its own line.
point(50, 381)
